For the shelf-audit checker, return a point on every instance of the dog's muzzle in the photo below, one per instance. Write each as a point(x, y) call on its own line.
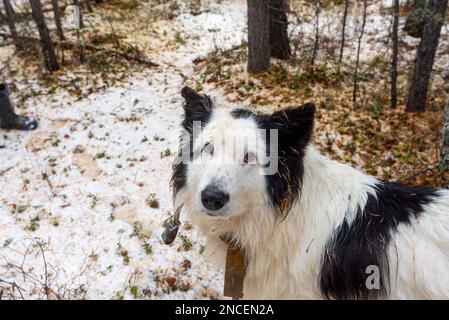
point(213, 198)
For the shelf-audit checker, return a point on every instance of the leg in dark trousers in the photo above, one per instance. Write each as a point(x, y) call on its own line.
point(8, 118)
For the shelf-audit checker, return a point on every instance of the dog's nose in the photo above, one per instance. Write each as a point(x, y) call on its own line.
point(213, 198)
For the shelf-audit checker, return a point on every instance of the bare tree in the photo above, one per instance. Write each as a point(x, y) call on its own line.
point(317, 32)
point(394, 58)
point(425, 55)
point(362, 31)
point(279, 42)
point(12, 24)
point(258, 36)
point(47, 45)
point(343, 34)
point(57, 14)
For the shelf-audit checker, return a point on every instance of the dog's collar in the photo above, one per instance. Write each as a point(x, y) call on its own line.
point(235, 269)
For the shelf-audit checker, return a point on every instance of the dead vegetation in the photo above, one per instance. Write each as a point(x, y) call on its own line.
point(44, 281)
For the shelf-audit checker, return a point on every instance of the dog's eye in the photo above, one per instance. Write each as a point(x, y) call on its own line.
point(249, 158)
point(208, 148)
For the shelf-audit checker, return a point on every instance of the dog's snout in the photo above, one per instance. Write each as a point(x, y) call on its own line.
point(213, 198)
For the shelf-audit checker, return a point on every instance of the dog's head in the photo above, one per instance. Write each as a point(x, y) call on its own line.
point(233, 160)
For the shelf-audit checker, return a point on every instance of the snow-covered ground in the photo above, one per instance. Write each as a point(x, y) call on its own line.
point(79, 191)
point(83, 198)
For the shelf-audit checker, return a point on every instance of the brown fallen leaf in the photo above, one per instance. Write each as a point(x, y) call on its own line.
point(170, 281)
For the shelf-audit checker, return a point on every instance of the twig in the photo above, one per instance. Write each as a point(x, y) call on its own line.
point(6, 170)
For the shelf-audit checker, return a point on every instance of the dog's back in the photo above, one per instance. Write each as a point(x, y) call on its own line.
point(351, 236)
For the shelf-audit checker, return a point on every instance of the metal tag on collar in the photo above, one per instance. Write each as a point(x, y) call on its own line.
point(170, 232)
point(171, 226)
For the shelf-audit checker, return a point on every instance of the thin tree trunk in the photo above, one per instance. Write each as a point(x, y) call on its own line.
point(258, 36)
point(57, 14)
point(47, 45)
point(80, 46)
point(362, 31)
point(59, 31)
point(394, 59)
point(12, 24)
point(317, 32)
point(417, 96)
point(279, 42)
point(343, 34)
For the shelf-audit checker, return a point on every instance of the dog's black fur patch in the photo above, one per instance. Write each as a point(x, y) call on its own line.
point(295, 127)
point(197, 107)
point(353, 247)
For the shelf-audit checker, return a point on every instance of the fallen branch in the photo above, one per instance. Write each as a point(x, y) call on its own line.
point(68, 45)
point(7, 169)
point(140, 60)
point(199, 60)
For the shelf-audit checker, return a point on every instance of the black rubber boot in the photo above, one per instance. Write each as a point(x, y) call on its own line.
point(8, 118)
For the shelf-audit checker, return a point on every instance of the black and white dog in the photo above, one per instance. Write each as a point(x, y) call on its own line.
point(314, 228)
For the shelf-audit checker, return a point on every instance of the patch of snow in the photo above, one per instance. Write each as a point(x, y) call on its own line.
point(80, 182)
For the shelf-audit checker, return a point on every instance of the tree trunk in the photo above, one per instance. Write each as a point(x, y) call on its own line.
point(394, 58)
point(362, 31)
point(57, 14)
point(444, 164)
point(414, 23)
point(47, 45)
point(343, 34)
point(12, 24)
point(279, 42)
point(258, 36)
point(317, 32)
point(425, 55)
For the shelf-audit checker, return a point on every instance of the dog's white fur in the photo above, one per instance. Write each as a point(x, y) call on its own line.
point(284, 256)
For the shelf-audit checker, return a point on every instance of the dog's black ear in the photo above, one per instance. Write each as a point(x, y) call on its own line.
point(189, 94)
point(294, 125)
point(197, 107)
point(294, 128)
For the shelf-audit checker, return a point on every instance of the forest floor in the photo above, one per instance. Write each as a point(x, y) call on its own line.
point(83, 198)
